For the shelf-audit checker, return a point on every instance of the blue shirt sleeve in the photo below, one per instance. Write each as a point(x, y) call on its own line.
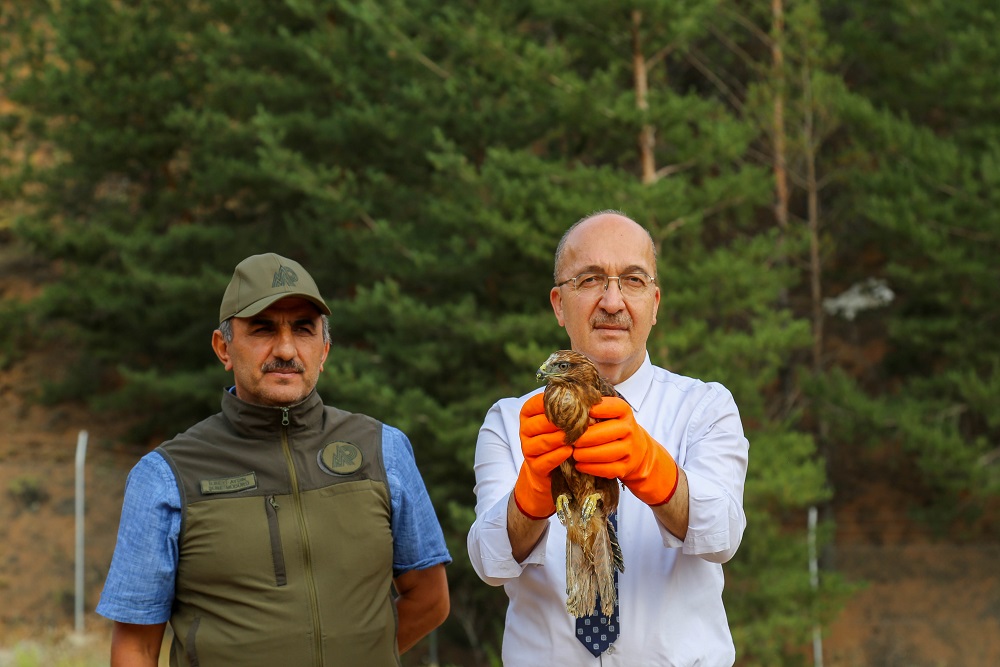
point(140, 584)
point(418, 541)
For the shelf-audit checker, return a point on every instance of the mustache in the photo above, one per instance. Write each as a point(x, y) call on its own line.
point(618, 320)
point(283, 366)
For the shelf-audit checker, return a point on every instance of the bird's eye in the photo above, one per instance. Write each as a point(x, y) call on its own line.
point(563, 365)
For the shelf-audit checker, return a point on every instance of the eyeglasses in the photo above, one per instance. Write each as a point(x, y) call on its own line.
point(630, 284)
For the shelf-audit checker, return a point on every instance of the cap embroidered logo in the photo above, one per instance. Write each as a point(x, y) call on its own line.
point(284, 277)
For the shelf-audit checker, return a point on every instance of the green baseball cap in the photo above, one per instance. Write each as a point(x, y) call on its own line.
point(261, 280)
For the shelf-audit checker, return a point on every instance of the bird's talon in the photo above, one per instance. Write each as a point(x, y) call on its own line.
point(589, 506)
point(562, 508)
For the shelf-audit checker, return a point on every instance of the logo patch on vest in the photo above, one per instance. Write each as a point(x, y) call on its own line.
point(229, 484)
point(340, 458)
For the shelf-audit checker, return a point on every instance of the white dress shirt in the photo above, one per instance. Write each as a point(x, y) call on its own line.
point(670, 594)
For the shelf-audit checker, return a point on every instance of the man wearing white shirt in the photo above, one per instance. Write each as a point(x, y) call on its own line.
point(676, 444)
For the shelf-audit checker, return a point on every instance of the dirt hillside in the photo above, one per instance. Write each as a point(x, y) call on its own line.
point(37, 483)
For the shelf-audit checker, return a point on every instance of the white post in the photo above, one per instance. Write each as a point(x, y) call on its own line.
point(814, 582)
point(81, 457)
point(432, 651)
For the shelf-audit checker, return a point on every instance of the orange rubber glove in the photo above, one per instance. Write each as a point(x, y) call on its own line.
point(619, 447)
point(544, 448)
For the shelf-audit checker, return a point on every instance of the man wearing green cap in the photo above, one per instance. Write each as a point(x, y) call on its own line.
point(280, 530)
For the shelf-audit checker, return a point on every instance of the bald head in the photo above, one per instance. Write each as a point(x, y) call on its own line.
point(609, 325)
point(596, 224)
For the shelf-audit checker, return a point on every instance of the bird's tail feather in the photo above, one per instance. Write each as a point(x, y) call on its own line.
point(581, 592)
point(605, 562)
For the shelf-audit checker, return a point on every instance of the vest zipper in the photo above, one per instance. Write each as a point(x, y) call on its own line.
point(304, 534)
point(277, 554)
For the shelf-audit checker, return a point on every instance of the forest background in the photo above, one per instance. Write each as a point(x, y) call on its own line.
point(822, 182)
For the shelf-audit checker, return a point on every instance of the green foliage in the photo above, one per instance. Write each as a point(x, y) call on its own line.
point(422, 160)
point(15, 319)
point(769, 598)
point(951, 92)
point(930, 200)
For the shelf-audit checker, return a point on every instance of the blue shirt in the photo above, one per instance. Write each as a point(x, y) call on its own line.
point(140, 584)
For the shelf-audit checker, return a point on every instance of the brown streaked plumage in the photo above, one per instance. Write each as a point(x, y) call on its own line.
point(583, 502)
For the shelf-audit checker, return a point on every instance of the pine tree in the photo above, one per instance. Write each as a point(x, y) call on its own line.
point(929, 197)
point(422, 160)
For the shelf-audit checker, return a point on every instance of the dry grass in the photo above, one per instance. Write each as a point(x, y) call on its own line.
point(69, 650)
point(66, 650)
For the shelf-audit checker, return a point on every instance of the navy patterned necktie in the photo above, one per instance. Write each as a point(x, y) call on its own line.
point(598, 632)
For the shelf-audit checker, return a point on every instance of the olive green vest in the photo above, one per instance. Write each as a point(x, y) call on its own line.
point(285, 551)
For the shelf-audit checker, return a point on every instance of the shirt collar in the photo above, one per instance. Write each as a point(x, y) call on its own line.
point(636, 387)
point(249, 419)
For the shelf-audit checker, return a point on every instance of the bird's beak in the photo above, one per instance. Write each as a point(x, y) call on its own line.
point(540, 374)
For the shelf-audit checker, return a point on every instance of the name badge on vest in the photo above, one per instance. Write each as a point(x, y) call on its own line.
point(340, 458)
point(234, 484)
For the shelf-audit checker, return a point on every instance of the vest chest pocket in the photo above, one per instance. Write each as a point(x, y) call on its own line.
point(271, 508)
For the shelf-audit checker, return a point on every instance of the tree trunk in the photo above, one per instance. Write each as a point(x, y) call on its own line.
point(647, 135)
point(812, 193)
point(778, 64)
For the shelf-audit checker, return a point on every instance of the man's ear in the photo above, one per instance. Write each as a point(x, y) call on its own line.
point(326, 353)
point(221, 348)
point(555, 298)
point(656, 303)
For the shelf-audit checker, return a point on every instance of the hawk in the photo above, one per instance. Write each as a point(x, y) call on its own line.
point(583, 502)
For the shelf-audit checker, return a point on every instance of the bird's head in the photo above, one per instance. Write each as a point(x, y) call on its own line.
point(567, 366)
